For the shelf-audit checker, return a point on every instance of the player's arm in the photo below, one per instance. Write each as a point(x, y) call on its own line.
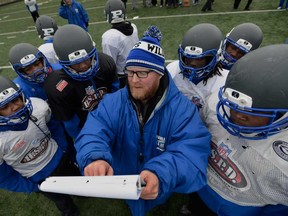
point(72, 126)
point(13, 181)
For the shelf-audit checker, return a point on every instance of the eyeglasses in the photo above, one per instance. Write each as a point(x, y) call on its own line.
point(140, 74)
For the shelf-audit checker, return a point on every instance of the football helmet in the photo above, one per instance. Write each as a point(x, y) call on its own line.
point(46, 27)
point(115, 11)
point(74, 45)
point(202, 40)
point(22, 55)
point(8, 92)
point(246, 37)
point(257, 86)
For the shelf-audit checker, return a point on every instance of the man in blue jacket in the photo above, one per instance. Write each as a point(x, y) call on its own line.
point(74, 12)
point(147, 127)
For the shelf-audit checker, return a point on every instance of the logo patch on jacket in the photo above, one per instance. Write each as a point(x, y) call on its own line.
point(281, 149)
point(61, 85)
point(160, 143)
point(224, 167)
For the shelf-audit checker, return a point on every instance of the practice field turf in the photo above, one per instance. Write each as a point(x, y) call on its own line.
point(16, 25)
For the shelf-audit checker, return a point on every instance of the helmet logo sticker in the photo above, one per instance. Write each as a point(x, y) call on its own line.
point(281, 149)
point(237, 97)
point(244, 43)
point(48, 31)
point(116, 14)
point(28, 58)
point(6, 94)
point(77, 55)
point(193, 50)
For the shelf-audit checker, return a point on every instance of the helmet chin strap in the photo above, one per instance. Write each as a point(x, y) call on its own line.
point(33, 118)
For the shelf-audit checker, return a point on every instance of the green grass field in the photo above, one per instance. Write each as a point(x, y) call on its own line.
point(16, 25)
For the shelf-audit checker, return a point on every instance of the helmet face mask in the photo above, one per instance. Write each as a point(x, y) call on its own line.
point(115, 11)
point(8, 93)
point(83, 75)
point(193, 73)
point(226, 104)
point(24, 55)
point(253, 102)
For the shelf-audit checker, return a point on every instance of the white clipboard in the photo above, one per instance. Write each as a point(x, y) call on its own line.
point(116, 187)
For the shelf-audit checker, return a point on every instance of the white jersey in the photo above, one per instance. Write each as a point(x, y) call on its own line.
point(196, 93)
point(246, 172)
point(31, 4)
point(48, 50)
point(118, 45)
point(29, 151)
point(173, 68)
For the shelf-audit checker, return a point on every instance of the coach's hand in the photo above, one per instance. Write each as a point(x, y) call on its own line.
point(98, 168)
point(150, 191)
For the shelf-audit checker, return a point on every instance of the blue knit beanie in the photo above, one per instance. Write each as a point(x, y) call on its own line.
point(147, 53)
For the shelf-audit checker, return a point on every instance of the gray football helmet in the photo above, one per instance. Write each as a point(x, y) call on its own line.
point(74, 45)
point(199, 41)
point(46, 27)
point(9, 91)
point(246, 37)
point(115, 11)
point(257, 86)
point(23, 55)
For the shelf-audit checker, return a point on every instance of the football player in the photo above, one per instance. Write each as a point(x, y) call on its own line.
point(46, 28)
point(197, 73)
point(85, 78)
point(119, 40)
point(28, 153)
point(239, 41)
point(247, 172)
